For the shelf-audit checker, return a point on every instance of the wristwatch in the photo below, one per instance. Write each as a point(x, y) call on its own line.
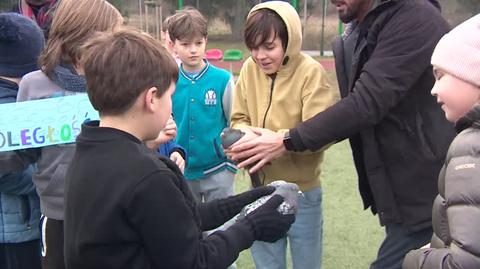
point(287, 141)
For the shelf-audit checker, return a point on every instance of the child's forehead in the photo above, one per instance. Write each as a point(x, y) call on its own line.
point(438, 70)
point(269, 37)
point(266, 38)
point(435, 67)
point(192, 38)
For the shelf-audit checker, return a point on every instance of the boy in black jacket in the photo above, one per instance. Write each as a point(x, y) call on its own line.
point(125, 206)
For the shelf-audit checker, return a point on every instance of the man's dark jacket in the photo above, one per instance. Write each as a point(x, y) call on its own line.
point(398, 133)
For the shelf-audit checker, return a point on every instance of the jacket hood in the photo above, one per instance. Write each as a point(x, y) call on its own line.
point(292, 21)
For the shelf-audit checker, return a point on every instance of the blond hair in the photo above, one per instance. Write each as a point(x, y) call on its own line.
point(74, 22)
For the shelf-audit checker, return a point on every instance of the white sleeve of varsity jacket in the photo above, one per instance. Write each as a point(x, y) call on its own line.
point(228, 99)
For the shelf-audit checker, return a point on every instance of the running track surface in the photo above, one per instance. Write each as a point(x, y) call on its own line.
point(328, 64)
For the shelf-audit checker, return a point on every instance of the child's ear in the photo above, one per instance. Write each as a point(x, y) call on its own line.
point(170, 44)
point(151, 99)
point(173, 44)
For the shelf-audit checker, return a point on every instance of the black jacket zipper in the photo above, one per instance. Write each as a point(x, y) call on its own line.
point(269, 102)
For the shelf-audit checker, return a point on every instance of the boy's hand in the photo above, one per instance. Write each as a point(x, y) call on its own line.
point(169, 132)
point(178, 159)
point(166, 134)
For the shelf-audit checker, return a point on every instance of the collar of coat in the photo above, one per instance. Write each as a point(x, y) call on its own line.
point(379, 5)
point(471, 119)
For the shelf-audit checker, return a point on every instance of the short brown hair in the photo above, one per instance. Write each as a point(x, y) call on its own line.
point(187, 23)
point(74, 22)
point(119, 66)
point(165, 23)
point(259, 26)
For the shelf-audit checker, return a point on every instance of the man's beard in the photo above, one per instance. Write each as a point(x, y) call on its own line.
point(347, 17)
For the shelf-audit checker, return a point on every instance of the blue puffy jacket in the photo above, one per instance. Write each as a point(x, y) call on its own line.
point(19, 207)
point(167, 148)
point(19, 203)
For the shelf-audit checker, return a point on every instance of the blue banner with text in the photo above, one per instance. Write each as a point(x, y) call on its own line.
point(44, 122)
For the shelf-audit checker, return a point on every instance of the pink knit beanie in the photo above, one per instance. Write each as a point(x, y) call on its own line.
point(458, 52)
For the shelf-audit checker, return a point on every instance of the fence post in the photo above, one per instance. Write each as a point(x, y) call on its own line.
point(325, 4)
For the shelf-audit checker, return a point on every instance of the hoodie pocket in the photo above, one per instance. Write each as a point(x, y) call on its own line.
point(217, 145)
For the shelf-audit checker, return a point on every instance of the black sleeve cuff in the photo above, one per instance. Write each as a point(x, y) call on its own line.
point(296, 140)
point(242, 235)
point(210, 215)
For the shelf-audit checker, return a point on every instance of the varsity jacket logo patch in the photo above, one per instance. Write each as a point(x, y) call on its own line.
point(210, 98)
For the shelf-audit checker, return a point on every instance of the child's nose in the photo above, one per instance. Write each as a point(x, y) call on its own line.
point(260, 54)
point(434, 90)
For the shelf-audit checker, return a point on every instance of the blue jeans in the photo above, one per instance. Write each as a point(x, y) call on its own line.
point(398, 241)
point(304, 237)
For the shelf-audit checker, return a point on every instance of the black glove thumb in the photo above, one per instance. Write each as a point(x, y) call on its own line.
point(273, 202)
point(230, 206)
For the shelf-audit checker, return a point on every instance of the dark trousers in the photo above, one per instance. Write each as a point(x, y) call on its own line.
point(398, 241)
point(52, 243)
point(25, 255)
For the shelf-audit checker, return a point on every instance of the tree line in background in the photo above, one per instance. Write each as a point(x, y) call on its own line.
point(233, 12)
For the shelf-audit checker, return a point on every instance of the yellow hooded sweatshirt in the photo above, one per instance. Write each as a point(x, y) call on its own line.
point(299, 91)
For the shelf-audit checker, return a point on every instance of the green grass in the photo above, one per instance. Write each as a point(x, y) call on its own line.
point(351, 235)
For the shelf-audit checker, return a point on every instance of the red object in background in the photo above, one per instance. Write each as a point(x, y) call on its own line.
point(327, 63)
point(214, 54)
